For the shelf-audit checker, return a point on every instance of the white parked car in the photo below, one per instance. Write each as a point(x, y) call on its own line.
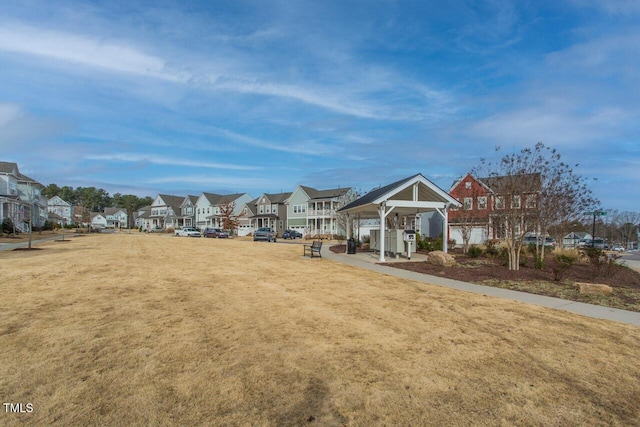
point(618, 248)
point(188, 232)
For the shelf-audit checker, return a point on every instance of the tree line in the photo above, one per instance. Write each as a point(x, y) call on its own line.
point(92, 199)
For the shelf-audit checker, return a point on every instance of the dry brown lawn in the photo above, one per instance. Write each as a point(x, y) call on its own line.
point(134, 329)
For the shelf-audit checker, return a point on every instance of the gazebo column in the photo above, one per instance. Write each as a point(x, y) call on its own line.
point(348, 230)
point(382, 213)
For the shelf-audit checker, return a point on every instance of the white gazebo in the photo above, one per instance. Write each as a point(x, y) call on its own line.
point(407, 197)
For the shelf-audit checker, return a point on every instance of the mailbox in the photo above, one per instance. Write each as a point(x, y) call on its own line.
point(409, 235)
point(410, 240)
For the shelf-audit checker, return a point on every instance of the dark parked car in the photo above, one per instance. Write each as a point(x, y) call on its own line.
point(215, 232)
point(264, 233)
point(291, 234)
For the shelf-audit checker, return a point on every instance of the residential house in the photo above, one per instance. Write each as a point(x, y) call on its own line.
point(572, 240)
point(141, 218)
point(20, 198)
point(483, 199)
point(62, 209)
point(210, 208)
point(245, 218)
point(271, 211)
point(98, 220)
point(187, 216)
point(116, 217)
point(313, 212)
point(165, 212)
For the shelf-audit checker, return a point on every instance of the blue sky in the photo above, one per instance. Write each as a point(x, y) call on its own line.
point(260, 96)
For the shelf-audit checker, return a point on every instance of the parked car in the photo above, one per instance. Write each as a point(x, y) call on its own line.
point(215, 232)
point(155, 229)
point(291, 234)
point(618, 248)
point(531, 240)
point(188, 232)
point(264, 233)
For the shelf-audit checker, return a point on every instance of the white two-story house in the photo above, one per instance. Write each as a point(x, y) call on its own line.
point(164, 213)
point(62, 208)
point(211, 207)
point(116, 217)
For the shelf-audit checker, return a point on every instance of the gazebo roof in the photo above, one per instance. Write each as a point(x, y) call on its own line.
point(411, 195)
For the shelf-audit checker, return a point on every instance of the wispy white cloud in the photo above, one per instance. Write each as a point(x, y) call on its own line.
point(167, 161)
point(84, 50)
point(233, 182)
point(298, 147)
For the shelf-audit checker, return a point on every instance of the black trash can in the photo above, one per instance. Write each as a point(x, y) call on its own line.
point(351, 246)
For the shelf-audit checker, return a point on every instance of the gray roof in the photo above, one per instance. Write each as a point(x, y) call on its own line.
point(324, 194)
point(9, 167)
point(277, 197)
point(173, 201)
point(375, 194)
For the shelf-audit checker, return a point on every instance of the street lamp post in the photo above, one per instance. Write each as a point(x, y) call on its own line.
point(595, 214)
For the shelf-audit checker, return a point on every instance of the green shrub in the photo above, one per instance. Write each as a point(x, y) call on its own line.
point(433, 244)
point(475, 251)
point(491, 248)
point(562, 263)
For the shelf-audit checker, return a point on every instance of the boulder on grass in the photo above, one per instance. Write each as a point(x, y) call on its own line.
point(441, 258)
point(591, 288)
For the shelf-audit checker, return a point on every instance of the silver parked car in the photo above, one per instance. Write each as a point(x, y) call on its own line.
point(264, 233)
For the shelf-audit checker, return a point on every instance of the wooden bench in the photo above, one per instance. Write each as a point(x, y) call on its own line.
point(313, 248)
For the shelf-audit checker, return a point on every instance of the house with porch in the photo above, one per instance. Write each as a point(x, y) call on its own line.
point(314, 212)
point(20, 198)
point(212, 209)
point(63, 209)
point(141, 218)
point(165, 212)
point(116, 217)
point(271, 211)
point(187, 217)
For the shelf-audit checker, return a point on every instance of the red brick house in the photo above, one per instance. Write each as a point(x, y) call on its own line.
point(487, 203)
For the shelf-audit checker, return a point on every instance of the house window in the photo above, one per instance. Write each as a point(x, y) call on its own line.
point(499, 202)
point(261, 209)
point(482, 203)
point(467, 185)
point(468, 203)
point(268, 209)
point(530, 201)
point(245, 211)
point(515, 202)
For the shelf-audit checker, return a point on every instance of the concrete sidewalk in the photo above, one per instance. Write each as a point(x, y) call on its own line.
point(368, 261)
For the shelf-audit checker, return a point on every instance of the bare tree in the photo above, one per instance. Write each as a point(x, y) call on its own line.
point(341, 217)
point(227, 212)
point(534, 190)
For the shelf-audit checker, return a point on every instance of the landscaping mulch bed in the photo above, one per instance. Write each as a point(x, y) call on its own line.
point(486, 271)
